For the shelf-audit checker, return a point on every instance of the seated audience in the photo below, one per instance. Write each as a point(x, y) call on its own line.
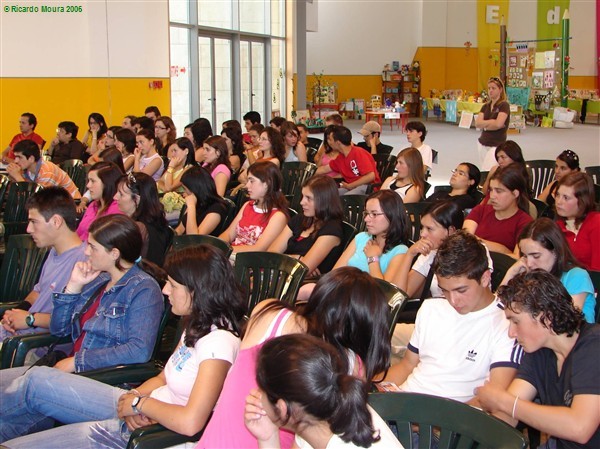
point(315, 235)
point(65, 145)
point(253, 138)
point(27, 124)
point(202, 290)
point(127, 122)
point(250, 118)
point(109, 141)
point(556, 389)
point(386, 238)
point(566, 162)
point(507, 153)
point(294, 149)
point(264, 217)
point(205, 208)
point(166, 133)
point(543, 246)
point(125, 143)
point(52, 224)
point(415, 134)
point(499, 222)
point(464, 181)
point(343, 301)
point(94, 136)
point(331, 119)
point(146, 158)
point(181, 158)
point(303, 133)
point(270, 148)
point(577, 218)
point(461, 341)
point(409, 182)
point(216, 162)
point(371, 131)
point(276, 123)
point(356, 166)
point(30, 166)
point(137, 197)
point(328, 155)
point(143, 122)
point(201, 130)
point(102, 186)
point(235, 149)
point(111, 308)
point(112, 155)
point(304, 403)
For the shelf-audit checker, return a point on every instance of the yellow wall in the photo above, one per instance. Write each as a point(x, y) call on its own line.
point(447, 68)
point(53, 100)
point(583, 82)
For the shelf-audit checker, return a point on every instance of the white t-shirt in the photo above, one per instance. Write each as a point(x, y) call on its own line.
point(387, 440)
point(426, 154)
point(456, 352)
point(182, 368)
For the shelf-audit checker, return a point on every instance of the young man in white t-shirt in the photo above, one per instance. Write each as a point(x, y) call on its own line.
point(459, 341)
point(415, 134)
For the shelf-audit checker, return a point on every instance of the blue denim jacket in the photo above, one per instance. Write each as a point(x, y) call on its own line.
point(123, 329)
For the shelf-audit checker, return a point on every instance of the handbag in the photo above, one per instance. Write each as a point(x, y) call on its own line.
point(51, 358)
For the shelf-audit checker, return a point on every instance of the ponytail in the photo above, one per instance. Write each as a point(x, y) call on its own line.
point(310, 376)
point(352, 419)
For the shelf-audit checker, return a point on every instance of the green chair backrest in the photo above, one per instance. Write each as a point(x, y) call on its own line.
point(595, 276)
point(182, 241)
point(385, 163)
point(415, 212)
point(76, 171)
point(231, 213)
point(349, 233)
point(354, 206)
point(314, 142)
point(4, 182)
point(294, 176)
point(594, 172)
point(15, 212)
point(459, 425)
point(396, 299)
point(20, 268)
point(541, 173)
point(502, 263)
point(264, 275)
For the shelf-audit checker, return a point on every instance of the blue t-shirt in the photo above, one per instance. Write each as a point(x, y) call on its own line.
point(577, 281)
point(359, 259)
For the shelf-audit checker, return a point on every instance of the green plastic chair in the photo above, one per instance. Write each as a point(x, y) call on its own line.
point(595, 276)
point(396, 299)
point(354, 206)
point(314, 142)
point(76, 171)
point(295, 174)
point(415, 212)
point(157, 436)
point(385, 163)
point(349, 232)
point(541, 173)
point(20, 268)
point(264, 275)
point(4, 182)
point(458, 425)
point(502, 263)
point(182, 241)
point(15, 213)
point(594, 172)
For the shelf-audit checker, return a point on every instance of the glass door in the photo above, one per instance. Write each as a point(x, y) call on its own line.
point(252, 77)
point(215, 80)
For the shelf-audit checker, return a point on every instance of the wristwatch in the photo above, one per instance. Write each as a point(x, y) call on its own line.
point(372, 259)
point(135, 403)
point(30, 320)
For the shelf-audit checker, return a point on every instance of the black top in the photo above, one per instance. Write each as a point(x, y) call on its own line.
point(302, 245)
point(382, 148)
point(464, 201)
point(215, 208)
point(65, 151)
point(158, 240)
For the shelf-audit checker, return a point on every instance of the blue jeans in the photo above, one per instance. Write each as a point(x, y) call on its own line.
point(32, 402)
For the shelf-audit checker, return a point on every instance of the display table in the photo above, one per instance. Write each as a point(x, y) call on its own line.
point(400, 118)
point(460, 105)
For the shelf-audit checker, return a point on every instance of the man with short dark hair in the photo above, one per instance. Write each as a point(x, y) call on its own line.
point(277, 122)
point(143, 122)
point(30, 166)
point(356, 166)
point(65, 145)
point(560, 365)
point(250, 118)
point(27, 124)
point(128, 122)
point(152, 112)
point(415, 134)
point(52, 224)
point(461, 340)
point(371, 132)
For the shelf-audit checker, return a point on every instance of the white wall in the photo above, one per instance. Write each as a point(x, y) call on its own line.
point(360, 37)
point(135, 43)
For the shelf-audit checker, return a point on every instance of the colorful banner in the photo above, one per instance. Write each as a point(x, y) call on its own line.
point(489, 15)
point(549, 22)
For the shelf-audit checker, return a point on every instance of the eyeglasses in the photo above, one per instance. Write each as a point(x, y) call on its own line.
point(460, 172)
point(160, 127)
point(372, 214)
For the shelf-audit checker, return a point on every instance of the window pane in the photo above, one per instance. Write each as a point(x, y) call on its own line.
point(215, 13)
point(252, 16)
point(278, 18)
point(258, 78)
point(205, 78)
point(222, 82)
point(245, 76)
point(179, 11)
point(278, 76)
point(180, 78)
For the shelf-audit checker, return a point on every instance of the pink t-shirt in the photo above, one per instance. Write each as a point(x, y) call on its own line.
point(221, 168)
point(91, 213)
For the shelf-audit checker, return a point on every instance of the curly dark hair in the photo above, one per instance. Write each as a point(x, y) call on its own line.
point(541, 294)
point(216, 298)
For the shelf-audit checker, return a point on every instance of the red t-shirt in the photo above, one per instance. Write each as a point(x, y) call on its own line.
point(585, 246)
point(19, 137)
point(506, 232)
point(86, 316)
point(357, 164)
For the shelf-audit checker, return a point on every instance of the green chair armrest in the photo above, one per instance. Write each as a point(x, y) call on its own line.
point(4, 306)
point(125, 374)
point(15, 349)
point(156, 437)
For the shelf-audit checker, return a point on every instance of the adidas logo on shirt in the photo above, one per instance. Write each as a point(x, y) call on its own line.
point(471, 355)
